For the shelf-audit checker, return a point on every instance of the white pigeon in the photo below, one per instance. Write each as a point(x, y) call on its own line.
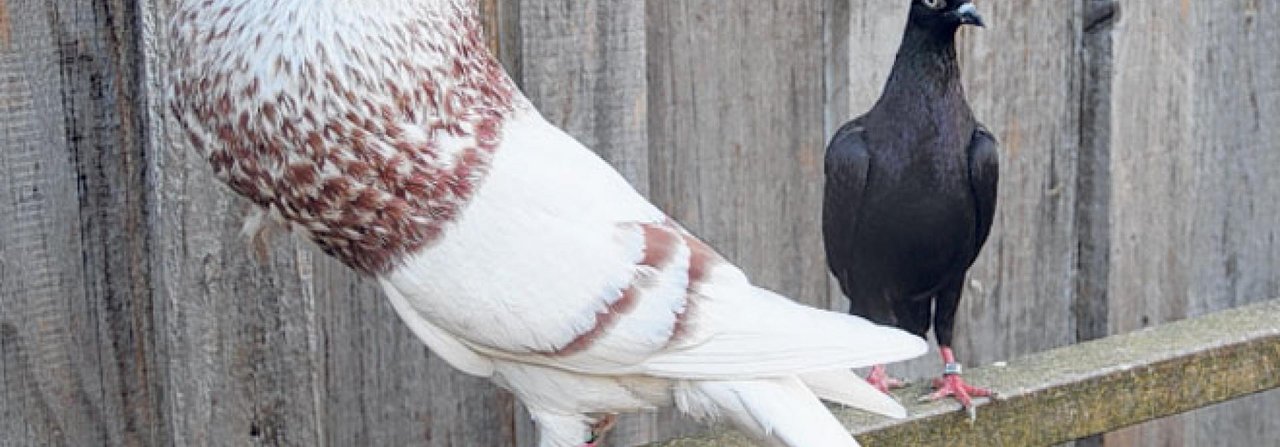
point(385, 132)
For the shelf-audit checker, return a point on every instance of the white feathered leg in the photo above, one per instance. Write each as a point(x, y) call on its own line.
point(782, 412)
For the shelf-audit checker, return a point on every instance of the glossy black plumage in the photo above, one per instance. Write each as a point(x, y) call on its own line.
point(911, 185)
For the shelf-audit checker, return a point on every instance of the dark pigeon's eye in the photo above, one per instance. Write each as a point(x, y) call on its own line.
point(935, 4)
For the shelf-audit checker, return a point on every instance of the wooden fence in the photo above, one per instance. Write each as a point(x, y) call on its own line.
point(1141, 184)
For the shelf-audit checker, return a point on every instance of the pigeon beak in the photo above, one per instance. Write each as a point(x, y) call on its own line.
point(967, 14)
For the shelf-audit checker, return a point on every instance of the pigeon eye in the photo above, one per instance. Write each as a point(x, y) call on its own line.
point(935, 4)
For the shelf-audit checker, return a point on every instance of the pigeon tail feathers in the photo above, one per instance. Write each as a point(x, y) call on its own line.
point(782, 412)
point(846, 388)
point(762, 334)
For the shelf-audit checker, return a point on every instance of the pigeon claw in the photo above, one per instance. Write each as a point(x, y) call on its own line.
point(881, 380)
point(951, 385)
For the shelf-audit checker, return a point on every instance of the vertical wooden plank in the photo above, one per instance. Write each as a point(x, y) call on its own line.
point(76, 360)
point(583, 66)
point(874, 33)
point(43, 389)
point(1237, 137)
point(1196, 162)
point(1093, 177)
point(235, 334)
point(502, 29)
point(293, 350)
point(1093, 200)
point(1150, 160)
point(1151, 157)
point(736, 126)
point(1235, 90)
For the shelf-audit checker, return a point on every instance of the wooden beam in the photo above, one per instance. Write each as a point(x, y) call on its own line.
point(1089, 388)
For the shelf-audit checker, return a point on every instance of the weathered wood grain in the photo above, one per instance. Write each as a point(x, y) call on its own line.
point(1091, 302)
point(736, 124)
point(583, 65)
point(76, 361)
point(874, 31)
point(502, 29)
point(1195, 162)
point(1093, 177)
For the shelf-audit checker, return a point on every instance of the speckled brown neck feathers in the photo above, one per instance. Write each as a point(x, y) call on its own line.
point(368, 129)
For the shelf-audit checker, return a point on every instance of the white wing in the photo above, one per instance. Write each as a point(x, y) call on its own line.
point(558, 261)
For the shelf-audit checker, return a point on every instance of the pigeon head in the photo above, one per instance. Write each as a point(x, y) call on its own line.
point(944, 15)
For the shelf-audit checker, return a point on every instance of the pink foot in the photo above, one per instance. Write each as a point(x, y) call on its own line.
point(951, 385)
point(598, 430)
point(882, 381)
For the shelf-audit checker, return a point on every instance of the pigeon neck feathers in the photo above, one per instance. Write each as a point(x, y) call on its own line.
point(367, 125)
point(926, 74)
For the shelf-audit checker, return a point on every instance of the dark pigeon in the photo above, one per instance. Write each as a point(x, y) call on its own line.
point(911, 191)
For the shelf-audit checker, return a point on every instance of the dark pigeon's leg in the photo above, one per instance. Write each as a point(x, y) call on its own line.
point(951, 384)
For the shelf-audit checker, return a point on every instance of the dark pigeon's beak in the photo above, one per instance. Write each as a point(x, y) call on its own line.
point(967, 14)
